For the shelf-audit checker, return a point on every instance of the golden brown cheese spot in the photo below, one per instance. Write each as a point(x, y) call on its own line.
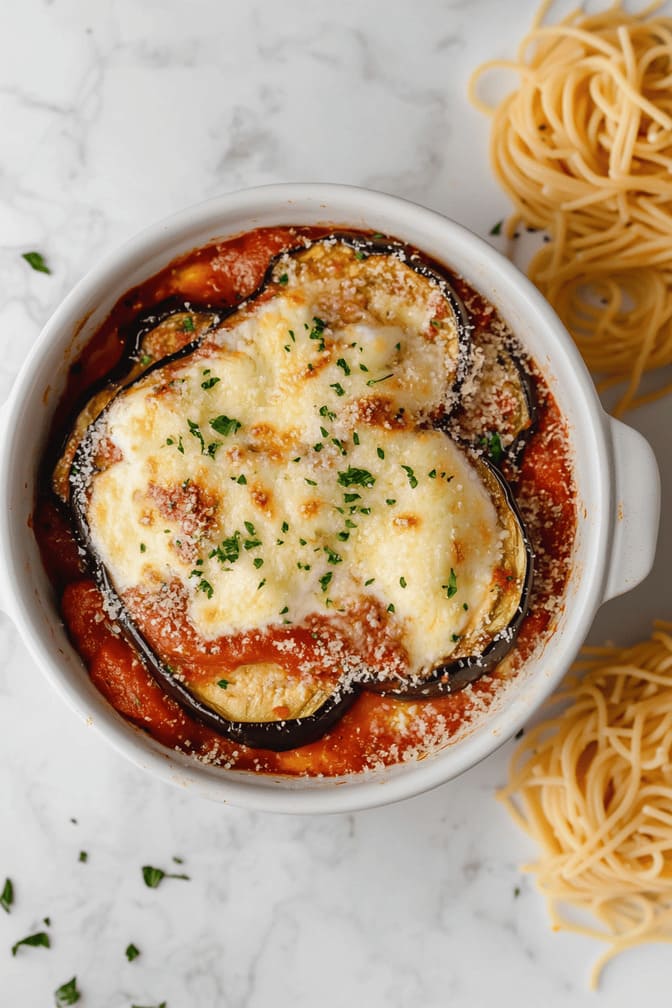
point(379, 411)
point(107, 453)
point(262, 498)
point(310, 508)
point(406, 521)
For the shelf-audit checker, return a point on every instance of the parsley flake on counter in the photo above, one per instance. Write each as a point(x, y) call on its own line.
point(132, 952)
point(225, 425)
point(7, 896)
point(67, 994)
point(496, 228)
point(36, 261)
point(83, 856)
point(164, 1004)
point(41, 938)
point(153, 877)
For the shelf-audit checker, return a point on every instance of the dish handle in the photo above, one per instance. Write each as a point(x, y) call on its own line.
point(636, 509)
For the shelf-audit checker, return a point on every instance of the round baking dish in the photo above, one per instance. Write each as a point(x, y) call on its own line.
point(615, 472)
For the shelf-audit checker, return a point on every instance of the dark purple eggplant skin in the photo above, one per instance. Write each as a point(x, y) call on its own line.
point(454, 676)
point(280, 736)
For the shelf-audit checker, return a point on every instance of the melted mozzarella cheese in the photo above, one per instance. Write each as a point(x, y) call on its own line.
point(257, 474)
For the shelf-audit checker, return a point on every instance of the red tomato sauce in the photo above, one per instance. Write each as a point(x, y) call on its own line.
point(376, 730)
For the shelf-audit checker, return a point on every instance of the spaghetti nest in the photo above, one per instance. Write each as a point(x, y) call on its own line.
point(593, 787)
point(583, 147)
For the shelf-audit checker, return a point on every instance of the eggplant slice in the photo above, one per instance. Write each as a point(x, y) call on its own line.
point(482, 649)
point(498, 414)
point(341, 361)
point(153, 336)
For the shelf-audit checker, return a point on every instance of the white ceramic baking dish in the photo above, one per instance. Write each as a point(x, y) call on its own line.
point(616, 475)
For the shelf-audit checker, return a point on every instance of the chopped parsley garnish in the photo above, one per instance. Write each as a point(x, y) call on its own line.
point(261, 584)
point(363, 367)
point(465, 606)
point(496, 228)
point(344, 366)
point(318, 447)
point(36, 261)
point(338, 389)
point(258, 562)
point(242, 479)
point(391, 500)
point(249, 527)
point(154, 876)
point(412, 479)
point(432, 474)
point(359, 255)
point(283, 279)
point(403, 582)
point(326, 412)
point(7, 896)
point(229, 550)
point(222, 683)
point(356, 477)
point(451, 588)
point(332, 556)
point(325, 580)
point(291, 335)
point(67, 994)
point(145, 359)
point(324, 432)
point(343, 536)
point(195, 431)
point(397, 346)
point(380, 453)
point(375, 381)
point(493, 445)
point(390, 608)
point(34, 940)
point(455, 638)
point(310, 482)
point(225, 425)
point(83, 856)
point(355, 437)
point(284, 611)
point(206, 587)
point(303, 542)
point(339, 444)
point(317, 331)
point(143, 548)
point(369, 582)
point(188, 324)
point(178, 443)
point(209, 383)
point(250, 544)
point(132, 952)
point(303, 566)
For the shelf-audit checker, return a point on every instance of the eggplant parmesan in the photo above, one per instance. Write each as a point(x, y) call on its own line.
point(298, 491)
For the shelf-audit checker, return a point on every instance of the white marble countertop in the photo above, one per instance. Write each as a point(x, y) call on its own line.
point(113, 115)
